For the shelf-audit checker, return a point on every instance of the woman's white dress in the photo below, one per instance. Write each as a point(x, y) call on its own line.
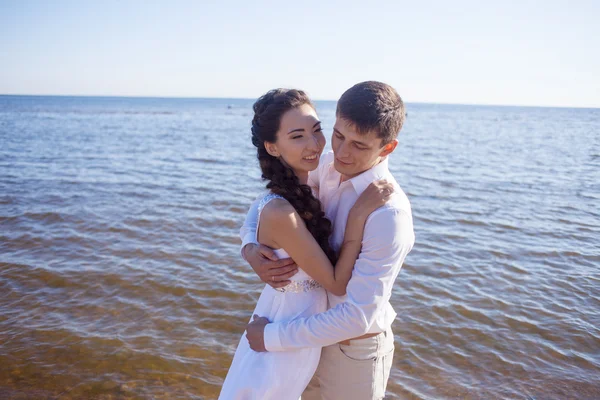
point(277, 375)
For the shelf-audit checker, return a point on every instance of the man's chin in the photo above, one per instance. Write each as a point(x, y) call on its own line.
point(344, 169)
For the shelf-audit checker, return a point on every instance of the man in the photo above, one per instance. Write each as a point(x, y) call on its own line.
point(355, 333)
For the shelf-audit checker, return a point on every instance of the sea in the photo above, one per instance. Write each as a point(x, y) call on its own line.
point(120, 267)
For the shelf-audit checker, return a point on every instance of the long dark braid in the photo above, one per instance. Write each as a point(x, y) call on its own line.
point(268, 111)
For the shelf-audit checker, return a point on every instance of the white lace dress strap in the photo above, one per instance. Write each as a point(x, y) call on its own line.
point(263, 202)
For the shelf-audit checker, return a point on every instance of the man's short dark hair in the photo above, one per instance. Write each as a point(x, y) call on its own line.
point(373, 107)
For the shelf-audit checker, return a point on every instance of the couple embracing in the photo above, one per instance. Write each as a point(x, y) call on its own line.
point(329, 237)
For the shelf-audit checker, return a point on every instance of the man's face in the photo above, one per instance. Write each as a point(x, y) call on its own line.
point(355, 153)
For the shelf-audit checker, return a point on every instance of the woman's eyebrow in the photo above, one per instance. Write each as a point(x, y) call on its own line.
point(302, 129)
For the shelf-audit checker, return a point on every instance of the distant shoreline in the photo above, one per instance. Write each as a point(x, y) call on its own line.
point(317, 100)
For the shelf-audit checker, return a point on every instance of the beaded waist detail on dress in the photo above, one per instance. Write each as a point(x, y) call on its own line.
point(300, 286)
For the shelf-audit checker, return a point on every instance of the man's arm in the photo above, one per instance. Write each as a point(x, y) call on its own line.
point(248, 230)
point(388, 239)
point(262, 259)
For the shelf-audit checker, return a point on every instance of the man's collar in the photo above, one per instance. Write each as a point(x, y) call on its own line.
point(362, 181)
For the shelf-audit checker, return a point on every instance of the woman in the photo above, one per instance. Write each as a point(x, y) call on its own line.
point(289, 139)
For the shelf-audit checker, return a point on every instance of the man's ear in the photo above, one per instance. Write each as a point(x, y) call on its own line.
point(272, 149)
point(388, 148)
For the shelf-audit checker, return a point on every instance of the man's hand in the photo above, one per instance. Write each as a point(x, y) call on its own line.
point(270, 270)
point(255, 333)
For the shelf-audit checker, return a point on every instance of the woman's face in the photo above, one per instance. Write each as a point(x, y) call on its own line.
point(300, 139)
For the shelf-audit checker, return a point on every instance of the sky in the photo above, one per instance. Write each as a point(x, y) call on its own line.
point(543, 53)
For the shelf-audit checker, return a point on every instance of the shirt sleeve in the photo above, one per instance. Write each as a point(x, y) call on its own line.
point(388, 238)
point(248, 230)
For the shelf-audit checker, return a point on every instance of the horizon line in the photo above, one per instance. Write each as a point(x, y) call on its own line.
point(315, 99)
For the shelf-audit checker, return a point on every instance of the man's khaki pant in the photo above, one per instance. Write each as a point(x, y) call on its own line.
point(358, 371)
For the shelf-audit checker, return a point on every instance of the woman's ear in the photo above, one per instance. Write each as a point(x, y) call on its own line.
point(272, 149)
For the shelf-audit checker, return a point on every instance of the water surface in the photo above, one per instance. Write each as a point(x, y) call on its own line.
point(120, 274)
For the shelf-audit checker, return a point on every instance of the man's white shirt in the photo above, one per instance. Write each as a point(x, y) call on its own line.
point(388, 238)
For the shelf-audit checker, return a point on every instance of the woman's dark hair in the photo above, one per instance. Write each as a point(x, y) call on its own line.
point(268, 110)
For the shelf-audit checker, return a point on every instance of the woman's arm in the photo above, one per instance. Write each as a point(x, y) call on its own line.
point(282, 227)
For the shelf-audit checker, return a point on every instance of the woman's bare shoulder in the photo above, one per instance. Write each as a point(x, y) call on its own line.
point(279, 214)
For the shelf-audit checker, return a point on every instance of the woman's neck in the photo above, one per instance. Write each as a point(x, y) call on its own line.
point(302, 177)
